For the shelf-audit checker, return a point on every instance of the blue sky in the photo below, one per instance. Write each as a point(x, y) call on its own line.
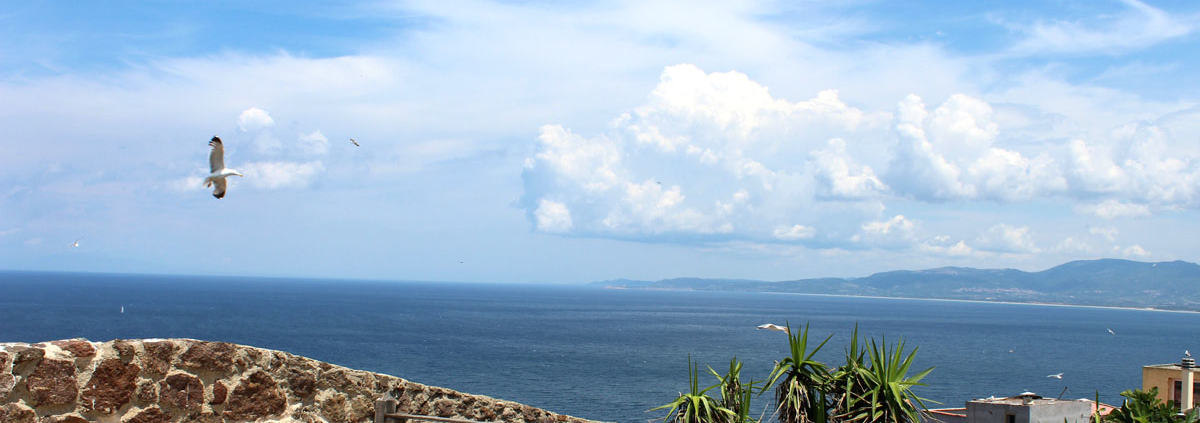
point(570, 142)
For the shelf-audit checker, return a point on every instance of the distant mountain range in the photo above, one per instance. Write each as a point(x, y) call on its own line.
point(1171, 285)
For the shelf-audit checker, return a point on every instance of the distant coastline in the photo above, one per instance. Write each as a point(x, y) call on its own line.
point(1104, 283)
point(926, 299)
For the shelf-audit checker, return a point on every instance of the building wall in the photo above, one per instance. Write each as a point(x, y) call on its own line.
point(1162, 378)
point(185, 380)
point(1039, 412)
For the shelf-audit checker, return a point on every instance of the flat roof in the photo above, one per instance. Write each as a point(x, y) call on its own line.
point(1170, 366)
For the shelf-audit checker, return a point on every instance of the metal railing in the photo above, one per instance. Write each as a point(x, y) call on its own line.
point(385, 412)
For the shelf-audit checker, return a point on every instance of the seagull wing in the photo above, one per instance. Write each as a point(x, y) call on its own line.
point(216, 158)
point(218, 187)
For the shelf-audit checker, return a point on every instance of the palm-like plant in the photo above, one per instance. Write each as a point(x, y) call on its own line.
point(1145, 407)
point(881, 390)
point(802, 382)
point(735, 397)
point(696, 406)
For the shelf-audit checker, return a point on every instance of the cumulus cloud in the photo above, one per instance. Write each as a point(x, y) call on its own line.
point(553, 217)
point(948, 154)
point(710, 154)
point(897, 232)
point(1136, 251)
point(273, 175)
point(254, 119)
point(795, 232)
point(1004, 238)
point(1113, 209)
point(314, 144)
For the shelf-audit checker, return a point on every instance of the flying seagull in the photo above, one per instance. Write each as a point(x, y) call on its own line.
point(1057, 376)
point(76, 243)
point(352, 141)
point(1110, 331)
point(771, 326)
point(216, 162)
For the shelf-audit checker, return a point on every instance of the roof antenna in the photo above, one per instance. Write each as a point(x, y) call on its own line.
point(1060, 394)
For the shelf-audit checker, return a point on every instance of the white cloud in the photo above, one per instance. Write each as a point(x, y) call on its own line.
point(795, 232)
point(1136, 251)
point(552, 217)
point(273, 175)
point(949, 155)
point(1004, 238)
point(711, 154)
point(1139, 26)
point(254, 119)
point(314, 144)
point(839, 176)
point(958, 249)
point(1109, 233)
point(33, 241)
point(1113, 209)
point(897, 232)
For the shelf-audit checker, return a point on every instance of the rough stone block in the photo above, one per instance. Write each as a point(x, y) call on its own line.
point(112, 386)
point(17, 413)
point(181, 390)
point(79, 348)
point(157, 357)
point(150, 415)
point(258, 396)
point(220, 392)
point(52, 383)
point(204, 355)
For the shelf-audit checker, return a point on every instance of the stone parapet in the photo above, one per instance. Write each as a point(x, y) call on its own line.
point(186, 380)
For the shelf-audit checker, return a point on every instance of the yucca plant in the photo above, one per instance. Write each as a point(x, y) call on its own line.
point(735, 396)
point(881, 390)
point(1144, 407)
point(800, 393)
point(696, 406)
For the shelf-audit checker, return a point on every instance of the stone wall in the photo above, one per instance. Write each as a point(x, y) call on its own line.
point(185, 380)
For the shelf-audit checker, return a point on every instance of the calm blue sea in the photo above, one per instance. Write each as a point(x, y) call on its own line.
point(596, 353)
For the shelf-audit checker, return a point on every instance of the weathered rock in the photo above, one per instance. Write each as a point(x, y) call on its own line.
point(52, 383)
point(3, 361)
point(68, 418)
point(157, 357)
point(214, 356)
point(147, 392)
point(333, 408)
point(26, 355)
point(77, 347)
point(150, 415)
point(111, 387)
point(220, 392)
point(181, 390)
point(124, 349)
point(7, 382)
point(17, 413)
point(301, 383)
point(258, 396)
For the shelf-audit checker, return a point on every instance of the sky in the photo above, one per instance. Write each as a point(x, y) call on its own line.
point(568, 142)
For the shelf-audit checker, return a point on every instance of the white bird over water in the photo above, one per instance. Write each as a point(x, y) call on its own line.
point(771, 326)
point(1057, 376)
point(216, 162)
point(1110, 331)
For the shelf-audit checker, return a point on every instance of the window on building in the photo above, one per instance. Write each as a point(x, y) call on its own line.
point(1177, 389)
point(1010, 418)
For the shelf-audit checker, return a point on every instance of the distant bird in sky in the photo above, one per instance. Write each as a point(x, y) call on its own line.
point(1110, 331)
point(771, 326)
point(352, 141)
point(1057, 376)
point(76, 243)
point(216, 162)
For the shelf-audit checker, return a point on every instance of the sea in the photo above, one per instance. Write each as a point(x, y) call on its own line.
point(603, 354)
